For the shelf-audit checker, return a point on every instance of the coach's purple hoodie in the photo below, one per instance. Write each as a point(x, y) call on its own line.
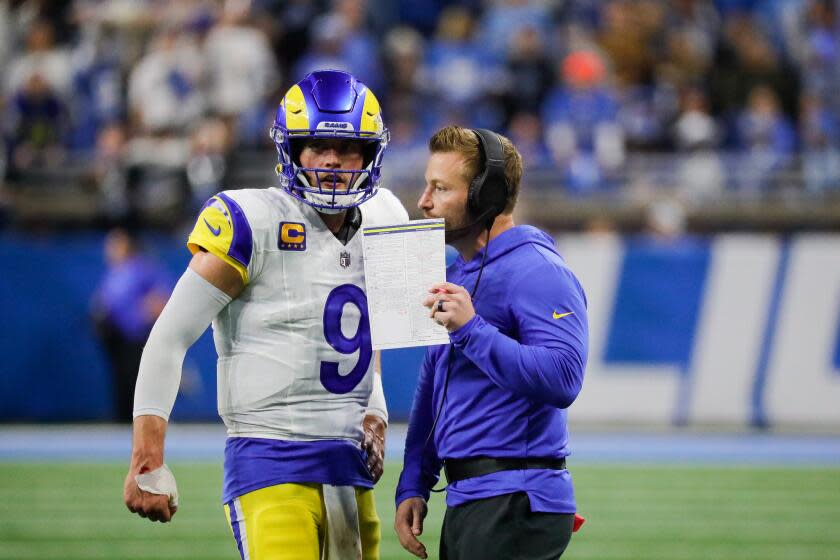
point(518, 365)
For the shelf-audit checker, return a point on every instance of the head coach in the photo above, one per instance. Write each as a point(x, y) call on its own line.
point(490, 408)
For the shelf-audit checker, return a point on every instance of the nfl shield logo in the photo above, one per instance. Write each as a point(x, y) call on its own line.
point(344, 259)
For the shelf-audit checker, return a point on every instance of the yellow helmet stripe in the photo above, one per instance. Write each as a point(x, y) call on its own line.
point(371, 114)
point(297, 116)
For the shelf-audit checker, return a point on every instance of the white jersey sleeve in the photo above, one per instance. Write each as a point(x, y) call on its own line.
point(383, 209)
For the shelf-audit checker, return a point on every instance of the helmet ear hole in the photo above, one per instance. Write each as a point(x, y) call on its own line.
point(369, 153)
point(295, 147)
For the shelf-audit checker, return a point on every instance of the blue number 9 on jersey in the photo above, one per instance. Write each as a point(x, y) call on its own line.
point(333, 310)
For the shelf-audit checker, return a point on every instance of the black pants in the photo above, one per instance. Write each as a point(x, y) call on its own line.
point(504, 528)
point(124, 359)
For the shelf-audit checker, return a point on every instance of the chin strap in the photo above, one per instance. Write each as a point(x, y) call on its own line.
point(325, 200)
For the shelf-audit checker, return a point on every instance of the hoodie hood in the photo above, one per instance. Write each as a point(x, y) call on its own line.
point(506, 242)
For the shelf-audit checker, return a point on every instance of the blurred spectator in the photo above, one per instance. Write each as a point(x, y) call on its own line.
point(166, 103)
point(644, 112)
point(423, 16)
point(159, 191)
point(109, 175)
point(35, 123)
point(97, 99)
point(665, 220)
point(404, 51)
point(359, 46)
point(128, 95)
point(820, 133)
point(6, 36)
point(699, 20)
point(585, 13)
point(163, 89)
point(208, 166)
point(821, 51)
point(526, 133)
point(529, 73)
point(689, 41)
point(766, 138)
point(327, 46)
point(629, 37)
point(406, 153)
point(339, 41)
point(581, 118)
point(504, 20)
point(43, 58)
point(130, 298)
point(35, 127)
point(241, 69)
point(745, 59)
point(292, 21)
point(462, 71)
point(701, 174)
point(410, 94)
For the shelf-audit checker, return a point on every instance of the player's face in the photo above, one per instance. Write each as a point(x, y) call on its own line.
point(445, 193)
point(332, 153)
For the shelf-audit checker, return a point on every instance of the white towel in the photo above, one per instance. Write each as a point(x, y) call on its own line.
point(343, 539)
point(159, 481)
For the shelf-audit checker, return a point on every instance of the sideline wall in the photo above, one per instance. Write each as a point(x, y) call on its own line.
point(742, 330)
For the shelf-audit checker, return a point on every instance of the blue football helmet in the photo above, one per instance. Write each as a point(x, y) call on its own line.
point(329, 104)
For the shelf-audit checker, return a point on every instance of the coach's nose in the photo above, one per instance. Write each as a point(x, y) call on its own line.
point(424, 203)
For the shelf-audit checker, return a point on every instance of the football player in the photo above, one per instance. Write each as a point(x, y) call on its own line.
point(279, 272)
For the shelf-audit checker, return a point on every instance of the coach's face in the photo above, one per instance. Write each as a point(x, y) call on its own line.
point(445, 193)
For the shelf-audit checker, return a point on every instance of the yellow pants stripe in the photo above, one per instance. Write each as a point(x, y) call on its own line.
point(288, 522)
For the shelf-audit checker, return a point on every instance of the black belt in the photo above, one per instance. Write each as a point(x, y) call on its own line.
point(459, 469)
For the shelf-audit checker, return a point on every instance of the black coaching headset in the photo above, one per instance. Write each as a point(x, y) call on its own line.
point(488, 192)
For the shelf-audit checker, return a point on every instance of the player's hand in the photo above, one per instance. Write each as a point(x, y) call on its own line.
point(408, 523)
point(147, 458)
point(155, 507)
point(374, 445)
point(449, 305)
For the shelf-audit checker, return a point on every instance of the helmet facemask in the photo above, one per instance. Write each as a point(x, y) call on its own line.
point(315, 186)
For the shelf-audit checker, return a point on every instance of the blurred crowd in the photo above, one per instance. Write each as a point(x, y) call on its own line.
point(152, 102)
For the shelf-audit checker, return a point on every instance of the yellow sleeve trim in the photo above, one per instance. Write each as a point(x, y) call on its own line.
point(213, 232)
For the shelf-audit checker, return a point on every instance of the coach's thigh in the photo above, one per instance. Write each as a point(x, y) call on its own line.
point(503, 528)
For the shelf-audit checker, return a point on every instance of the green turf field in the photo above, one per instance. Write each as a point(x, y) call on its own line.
point(56, 511)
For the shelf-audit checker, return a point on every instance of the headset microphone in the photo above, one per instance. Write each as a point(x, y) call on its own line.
point(455, 233)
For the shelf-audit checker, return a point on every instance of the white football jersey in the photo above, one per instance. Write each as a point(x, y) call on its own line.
point(295, 357)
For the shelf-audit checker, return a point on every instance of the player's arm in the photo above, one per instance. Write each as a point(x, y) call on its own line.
point(206, 287)
point(376, 421)
point(222, 245)
point(547, 364)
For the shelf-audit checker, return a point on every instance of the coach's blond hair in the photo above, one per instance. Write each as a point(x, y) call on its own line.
point(465, 142)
